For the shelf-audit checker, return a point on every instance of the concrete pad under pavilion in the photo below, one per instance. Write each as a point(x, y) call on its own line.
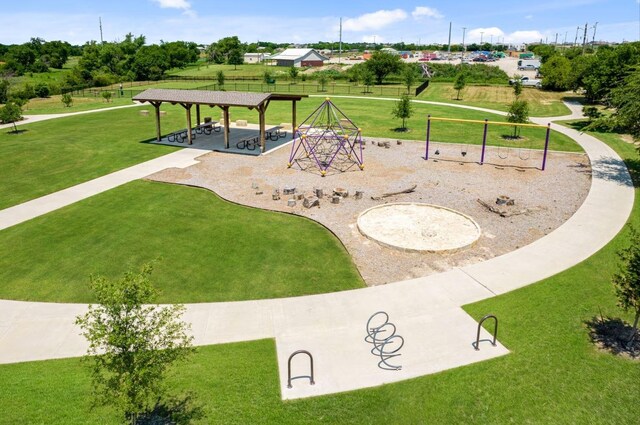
point(224, 100)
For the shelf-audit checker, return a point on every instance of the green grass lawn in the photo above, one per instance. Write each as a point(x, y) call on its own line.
point(553, 375)
point(207, 249)
point(541, 103)
point(53, 104)
point(56, 154)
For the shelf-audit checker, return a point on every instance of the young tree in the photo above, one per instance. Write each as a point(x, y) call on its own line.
point(220, 78)
point(368, 79)
point(267, 77)
point(409, 77)
point(518, 113)
point(627, 280)
point(293, 73)
point(132, 344)
point(10, 113)
point(403, 109)
point(67, 100)
point(459, 83)
point(106, 95)
point(517, 87)
point(322, 80)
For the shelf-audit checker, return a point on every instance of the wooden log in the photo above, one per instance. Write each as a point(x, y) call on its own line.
point(400, 192)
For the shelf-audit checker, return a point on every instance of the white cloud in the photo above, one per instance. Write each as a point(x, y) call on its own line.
point(173, 4)
point(427, 12)
point(524, 37)
point(484, 33)
point(375, 20)
point(528, 17)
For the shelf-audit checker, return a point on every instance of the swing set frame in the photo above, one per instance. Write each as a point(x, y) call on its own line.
point(486, 123)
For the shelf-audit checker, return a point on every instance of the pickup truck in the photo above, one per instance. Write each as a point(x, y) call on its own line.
point(526, 82)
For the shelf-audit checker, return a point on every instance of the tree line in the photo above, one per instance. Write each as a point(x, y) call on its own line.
point(610, 76)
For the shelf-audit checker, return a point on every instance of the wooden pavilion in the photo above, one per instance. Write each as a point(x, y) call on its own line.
point(223, 99)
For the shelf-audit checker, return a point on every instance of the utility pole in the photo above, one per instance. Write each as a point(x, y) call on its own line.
point(340, 48)
point(464, 48)
point(481, 35)
point(565, 38)
point(100, 21)
point(593, 40)
point(575, 42)
point(584, 37)
point(556, 42)
point(449, 48)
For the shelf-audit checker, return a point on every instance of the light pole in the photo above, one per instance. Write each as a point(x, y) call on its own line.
point(464, 48)
point(481, 35)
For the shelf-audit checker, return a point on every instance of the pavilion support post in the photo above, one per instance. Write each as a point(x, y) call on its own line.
point(189, 133)
point(198, 115)
point(156, 105)
point(263, 141)
point(225, 110)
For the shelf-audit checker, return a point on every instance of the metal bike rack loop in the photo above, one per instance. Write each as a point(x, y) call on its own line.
point(290, 378)
point(476, 344)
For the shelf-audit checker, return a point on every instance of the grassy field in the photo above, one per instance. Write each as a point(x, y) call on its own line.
point(208, 249)
point(52, 155)
point(541, 103)
point(553, 374)
point(54, 105)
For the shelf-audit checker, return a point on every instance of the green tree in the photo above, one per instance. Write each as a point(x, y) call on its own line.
point(517, 87)
point(409, 76)
point(106, 95)
point(267, 77)
point(150, 62)
point(220, 78)
point(10, 113)
point(459, 83)
point(219, 51)
point(42, 90)
point(627, 280)
point(293, 73)
point(181, 53)
point(591, 112)
point(235, 57)
point(368, 79)
point(4, 90)
point(518, 113)
point(403, 109)
point(626, 100)
point(323, 79)
point(383, 64)
point(67, 100)
point(132, 344)
point(557, 74)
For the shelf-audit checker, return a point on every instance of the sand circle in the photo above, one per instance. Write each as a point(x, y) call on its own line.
point(418, 227)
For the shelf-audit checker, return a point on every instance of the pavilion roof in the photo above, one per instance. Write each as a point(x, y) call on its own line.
point(203, 97)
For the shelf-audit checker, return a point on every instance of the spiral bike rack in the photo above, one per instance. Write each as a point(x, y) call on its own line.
point(476, 344)
point(380, 344)
point(290, 378)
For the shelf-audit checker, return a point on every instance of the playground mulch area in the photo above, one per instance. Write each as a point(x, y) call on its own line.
point(543, 200)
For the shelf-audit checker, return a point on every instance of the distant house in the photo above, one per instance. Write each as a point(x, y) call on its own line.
point(297, 58)
point(253, 57)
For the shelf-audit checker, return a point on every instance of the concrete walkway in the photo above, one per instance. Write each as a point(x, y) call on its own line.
point(426, 311)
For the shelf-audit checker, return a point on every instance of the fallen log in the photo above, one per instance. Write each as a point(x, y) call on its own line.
point(386, 195)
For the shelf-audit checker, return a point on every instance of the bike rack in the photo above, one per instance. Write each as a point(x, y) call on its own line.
point(476, 344)
point(290, 378)
point(380, 344)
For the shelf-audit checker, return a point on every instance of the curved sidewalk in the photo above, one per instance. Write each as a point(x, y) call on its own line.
point(427, 311)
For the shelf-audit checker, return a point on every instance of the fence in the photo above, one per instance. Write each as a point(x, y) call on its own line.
point(300, 88)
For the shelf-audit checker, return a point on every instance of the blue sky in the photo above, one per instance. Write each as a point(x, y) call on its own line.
point(302, 21)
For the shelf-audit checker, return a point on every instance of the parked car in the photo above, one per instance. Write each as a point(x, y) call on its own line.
point(526, 82)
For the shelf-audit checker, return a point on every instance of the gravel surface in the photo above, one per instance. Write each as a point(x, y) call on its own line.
point(543, 199)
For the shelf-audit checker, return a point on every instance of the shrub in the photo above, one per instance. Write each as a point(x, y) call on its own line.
point(67, 100)
point(42, 90)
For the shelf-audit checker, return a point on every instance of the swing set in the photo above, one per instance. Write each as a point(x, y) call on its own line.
point(520, 148)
